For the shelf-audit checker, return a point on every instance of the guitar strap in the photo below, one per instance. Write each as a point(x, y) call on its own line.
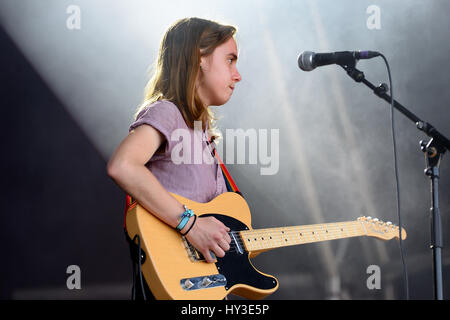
point(231, 185)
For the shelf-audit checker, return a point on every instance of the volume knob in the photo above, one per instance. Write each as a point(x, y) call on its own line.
point(188, 284)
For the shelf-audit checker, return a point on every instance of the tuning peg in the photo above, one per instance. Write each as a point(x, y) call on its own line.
point(388, 223)
point(369, 218)
point(375, 220)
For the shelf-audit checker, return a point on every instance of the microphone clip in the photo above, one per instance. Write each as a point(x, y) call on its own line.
point(354, 73)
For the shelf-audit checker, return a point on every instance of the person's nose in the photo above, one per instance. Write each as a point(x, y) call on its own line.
point(236, 76)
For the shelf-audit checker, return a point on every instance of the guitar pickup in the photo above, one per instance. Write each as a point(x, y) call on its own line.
point(202, 257)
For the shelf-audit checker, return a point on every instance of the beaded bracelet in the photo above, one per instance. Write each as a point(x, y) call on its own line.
point(185, 216)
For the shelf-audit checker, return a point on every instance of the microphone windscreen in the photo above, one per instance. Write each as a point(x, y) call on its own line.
point(305, 61)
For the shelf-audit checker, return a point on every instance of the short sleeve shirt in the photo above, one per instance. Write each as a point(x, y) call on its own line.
point(185, 166)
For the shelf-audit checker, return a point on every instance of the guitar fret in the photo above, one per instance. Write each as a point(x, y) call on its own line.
point(261, 239)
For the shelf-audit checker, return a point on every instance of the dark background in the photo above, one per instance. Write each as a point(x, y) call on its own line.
point(60, 207)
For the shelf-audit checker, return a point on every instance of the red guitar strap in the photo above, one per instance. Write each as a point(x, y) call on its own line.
point(231, 185)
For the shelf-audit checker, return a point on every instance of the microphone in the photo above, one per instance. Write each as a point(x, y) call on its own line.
point(308, 60)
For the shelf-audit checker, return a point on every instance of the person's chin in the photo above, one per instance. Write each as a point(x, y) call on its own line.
point(221, 102)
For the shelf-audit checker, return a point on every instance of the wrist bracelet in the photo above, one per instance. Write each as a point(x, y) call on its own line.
point(185, 216)
point(195, 218)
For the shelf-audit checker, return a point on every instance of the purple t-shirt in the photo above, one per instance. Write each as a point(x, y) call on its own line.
point(185, 166)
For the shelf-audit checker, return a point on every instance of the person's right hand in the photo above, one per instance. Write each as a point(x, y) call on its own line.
point(209, 234)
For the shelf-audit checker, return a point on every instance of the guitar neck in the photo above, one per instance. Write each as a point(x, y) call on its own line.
point(263, 239)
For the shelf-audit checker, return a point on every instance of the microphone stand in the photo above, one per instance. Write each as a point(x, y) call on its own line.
point(433, 150)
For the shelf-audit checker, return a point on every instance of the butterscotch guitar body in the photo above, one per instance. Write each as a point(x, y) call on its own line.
point(174, 270)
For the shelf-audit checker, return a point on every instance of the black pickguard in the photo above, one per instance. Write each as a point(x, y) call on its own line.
point(236, 267)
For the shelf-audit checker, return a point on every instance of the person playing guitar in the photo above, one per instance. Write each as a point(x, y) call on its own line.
point(195, 69)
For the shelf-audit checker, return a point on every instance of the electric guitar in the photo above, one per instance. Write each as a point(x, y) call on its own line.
point(174, 269)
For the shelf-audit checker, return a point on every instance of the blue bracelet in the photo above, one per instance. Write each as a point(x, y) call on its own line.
point(185, 216)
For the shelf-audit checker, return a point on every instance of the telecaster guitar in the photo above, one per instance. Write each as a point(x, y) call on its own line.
point(175, 270)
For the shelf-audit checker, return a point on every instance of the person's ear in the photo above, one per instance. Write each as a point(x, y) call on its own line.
point(204, 62)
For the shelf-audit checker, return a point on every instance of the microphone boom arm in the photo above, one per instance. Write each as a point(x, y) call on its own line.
point(381, 90)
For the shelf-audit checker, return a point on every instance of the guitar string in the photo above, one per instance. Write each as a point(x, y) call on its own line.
point(335, 231)
point(277, 241)
point(275, 237)
point(319, 228)
point(289, 232)
point(321, 233)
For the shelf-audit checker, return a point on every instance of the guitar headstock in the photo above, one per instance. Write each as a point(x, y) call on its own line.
point(379, 229)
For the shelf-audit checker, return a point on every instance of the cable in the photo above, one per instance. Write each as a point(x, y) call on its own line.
point(133, 290)
point(136, 266)
point(405, 270)
point(139, 265)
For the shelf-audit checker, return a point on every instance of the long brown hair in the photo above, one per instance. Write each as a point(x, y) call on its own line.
point(175, 71)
